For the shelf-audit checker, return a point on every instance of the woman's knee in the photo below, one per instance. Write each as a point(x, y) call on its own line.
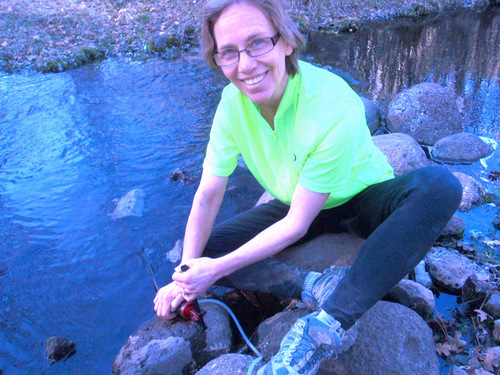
point(442, 185)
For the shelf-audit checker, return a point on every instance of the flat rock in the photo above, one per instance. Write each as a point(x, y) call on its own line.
point(427, 112)
point(460, 147)
point(403, 153)
point(131, 204)
point(451, 269)
point(339, 249)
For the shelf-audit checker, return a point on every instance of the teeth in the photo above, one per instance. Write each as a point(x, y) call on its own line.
point(254, 80)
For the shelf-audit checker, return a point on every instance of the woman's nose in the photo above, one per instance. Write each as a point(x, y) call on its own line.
point(246, 63)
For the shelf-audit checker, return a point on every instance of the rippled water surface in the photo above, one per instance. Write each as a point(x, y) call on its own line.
point(72, 142)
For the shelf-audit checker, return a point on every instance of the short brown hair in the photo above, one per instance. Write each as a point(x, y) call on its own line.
point(274, 10)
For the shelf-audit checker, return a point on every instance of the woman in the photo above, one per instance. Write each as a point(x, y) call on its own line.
point(302, 133)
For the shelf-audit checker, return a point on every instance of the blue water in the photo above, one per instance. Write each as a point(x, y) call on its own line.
point(72, 142)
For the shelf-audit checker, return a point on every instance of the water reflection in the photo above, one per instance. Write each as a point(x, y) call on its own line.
point(460, 52)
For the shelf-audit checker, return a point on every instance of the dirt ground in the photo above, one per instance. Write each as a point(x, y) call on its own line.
point(56, 35)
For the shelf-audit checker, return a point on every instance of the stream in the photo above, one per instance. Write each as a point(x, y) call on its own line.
point(72, 142)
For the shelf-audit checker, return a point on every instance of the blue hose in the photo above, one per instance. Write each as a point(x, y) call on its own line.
point(249, 343)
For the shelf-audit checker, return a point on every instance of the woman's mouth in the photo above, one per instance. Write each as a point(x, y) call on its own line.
point(254, 80)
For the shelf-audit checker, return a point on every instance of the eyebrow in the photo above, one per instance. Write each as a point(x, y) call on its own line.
point(247, 40)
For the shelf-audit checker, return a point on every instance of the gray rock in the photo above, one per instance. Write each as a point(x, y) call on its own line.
point(427, 112)
point(58, 348)
point(476, 289)
point(264, 198)
point(339, 249)
point(268, 336)
point(451, 269)
point(173, 347)
point(415, 296)
point(162, 41)
point(461, 147)
point(403, 153)
point(392, 339)
point(492, 306)
point(454, 228)
point(422, 276)
point(372, 114)
point(473, 193)
point(229, 364)
point(131, 204)
point(455, 370)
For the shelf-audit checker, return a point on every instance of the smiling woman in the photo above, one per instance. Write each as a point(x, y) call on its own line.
point(302, 133)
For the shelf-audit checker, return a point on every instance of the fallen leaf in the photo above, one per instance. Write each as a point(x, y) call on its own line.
point(443, 349)
point(481, 315)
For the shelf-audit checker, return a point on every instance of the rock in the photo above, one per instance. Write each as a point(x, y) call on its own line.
point(131, 204)
point(182, 176)
point(229, 364)
point(372, 114)
point(455, 370)
point(403, 153)
point(427, 112)
point(58, 348)
point(496, 222)
point(175, 253)
point(450, 269)
point(413, 295)
point(496, 330)
point(173, 347)
point(473, 193)
point(461, 147)
point(268, 335)
point(476, 288)
point(454, 228)
point(392, 340)
point(339, 249)
point(492, 306)
point(162, 42)
point(264, 198)
point(422, 276)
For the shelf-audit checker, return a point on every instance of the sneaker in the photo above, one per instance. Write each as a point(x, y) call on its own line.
point(308, 342)
point(323, 287)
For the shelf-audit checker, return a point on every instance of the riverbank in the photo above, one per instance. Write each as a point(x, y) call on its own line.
point(62, 34)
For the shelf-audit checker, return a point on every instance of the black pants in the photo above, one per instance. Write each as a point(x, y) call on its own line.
point(400, 219)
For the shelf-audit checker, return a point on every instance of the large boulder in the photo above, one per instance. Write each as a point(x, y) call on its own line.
point(339, 249)
point(461, 147)
point(392, 339)
point(403, 153)
point(427, 112)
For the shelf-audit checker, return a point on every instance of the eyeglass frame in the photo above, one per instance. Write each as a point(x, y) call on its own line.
point(274, 39)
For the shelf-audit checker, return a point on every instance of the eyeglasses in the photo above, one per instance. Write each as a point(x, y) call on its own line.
point(258, 47)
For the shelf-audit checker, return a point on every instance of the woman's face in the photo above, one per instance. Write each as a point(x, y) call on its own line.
point(263, 79)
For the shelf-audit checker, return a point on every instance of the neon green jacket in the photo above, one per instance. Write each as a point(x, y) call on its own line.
point(320, 140)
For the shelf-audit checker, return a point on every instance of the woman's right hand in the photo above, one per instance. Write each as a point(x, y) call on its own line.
point(167, 300)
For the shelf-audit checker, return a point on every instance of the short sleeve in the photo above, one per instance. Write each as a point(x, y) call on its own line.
point(222, 153)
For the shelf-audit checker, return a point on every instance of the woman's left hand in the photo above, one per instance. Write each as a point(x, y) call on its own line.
point(197, 279)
